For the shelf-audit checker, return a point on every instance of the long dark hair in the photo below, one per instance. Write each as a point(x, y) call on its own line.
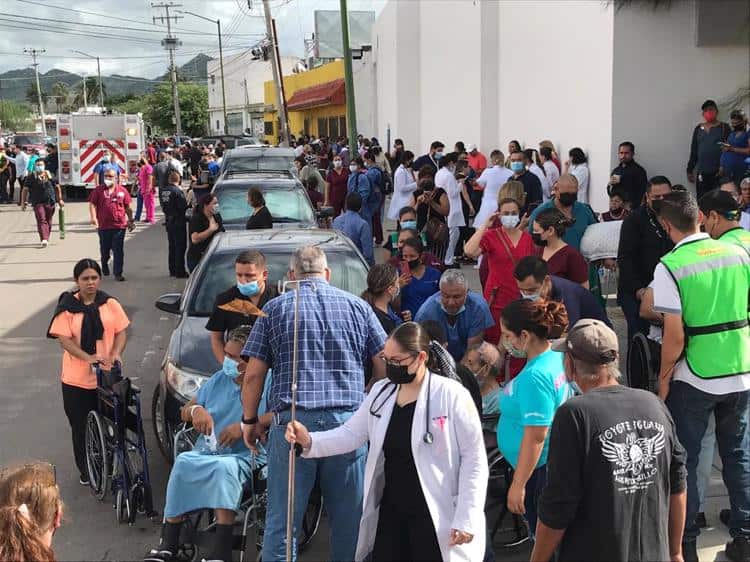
point(554, 218)
point(203, 201)
point(544, 319)
point(379, 279)
point(83, 265)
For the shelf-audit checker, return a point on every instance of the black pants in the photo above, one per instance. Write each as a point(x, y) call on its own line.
point(78, 402)
point(4, 179)
point(402, 536)
point(706, 181)
point(177, 238)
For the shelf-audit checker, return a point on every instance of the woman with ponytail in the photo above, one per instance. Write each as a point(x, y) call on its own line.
point(528, 402)
point(30, 512)
point(426, 473)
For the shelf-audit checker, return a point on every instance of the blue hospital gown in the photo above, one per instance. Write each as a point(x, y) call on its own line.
point(200, 481)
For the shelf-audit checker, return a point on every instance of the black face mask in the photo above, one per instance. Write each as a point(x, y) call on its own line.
point(399, 374)
point(537, 238)
point(414, 263)
point(567, 199)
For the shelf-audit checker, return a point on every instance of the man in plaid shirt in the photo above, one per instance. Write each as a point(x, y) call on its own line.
point(338, 333)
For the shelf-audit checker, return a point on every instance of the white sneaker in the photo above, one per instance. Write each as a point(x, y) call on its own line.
point(44, 243)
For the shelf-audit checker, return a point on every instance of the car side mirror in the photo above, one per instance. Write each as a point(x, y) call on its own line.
point(169, 303)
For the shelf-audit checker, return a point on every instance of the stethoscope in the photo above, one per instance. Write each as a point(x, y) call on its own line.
point(374, 411)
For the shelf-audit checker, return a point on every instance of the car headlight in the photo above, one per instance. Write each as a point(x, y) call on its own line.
point(184, 382)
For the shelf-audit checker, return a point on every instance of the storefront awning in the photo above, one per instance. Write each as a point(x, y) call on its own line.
point(330, 93)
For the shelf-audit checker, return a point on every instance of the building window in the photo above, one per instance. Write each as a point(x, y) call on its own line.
point(268, 128)
point(217, 125)
point(307, 124)
point(322, 127)
point(342, 126)
point(333, 127)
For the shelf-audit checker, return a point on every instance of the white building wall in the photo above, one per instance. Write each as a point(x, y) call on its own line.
point(555, 68)
point(385, 59)
point(237, 69)
point(662, 79)
point(364, 71)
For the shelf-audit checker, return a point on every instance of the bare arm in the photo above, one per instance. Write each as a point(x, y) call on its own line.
point(58, 194)
point(24, 195)
point(471, 247)
point(531, 449)
point(672, 346)
point(442, 205)
point(252, 386)
point(118, 346)
point(677, 508)
point(70, 345)
point(547, 541)
point(92, 214)
point(217, 345)
point(647, 311)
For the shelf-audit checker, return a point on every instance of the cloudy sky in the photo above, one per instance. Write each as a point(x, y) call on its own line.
point(122, 34)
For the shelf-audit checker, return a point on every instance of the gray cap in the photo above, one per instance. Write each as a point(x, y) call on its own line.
point(591, 341)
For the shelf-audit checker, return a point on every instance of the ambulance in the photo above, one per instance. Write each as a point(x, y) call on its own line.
point(82, 139)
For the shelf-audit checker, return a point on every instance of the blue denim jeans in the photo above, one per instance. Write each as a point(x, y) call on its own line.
point(691, 409)
point(112, 240)
point(139, 206)
point(341, 479)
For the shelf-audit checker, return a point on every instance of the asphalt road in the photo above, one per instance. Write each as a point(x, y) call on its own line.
point(32, 422)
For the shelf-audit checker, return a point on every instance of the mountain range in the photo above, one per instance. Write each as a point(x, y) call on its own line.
point(14, 83)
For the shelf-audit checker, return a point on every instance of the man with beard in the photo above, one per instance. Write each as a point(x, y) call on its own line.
point(628, 179)
point(566, 194)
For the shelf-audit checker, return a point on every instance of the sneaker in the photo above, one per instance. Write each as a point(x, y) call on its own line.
point(119, 278)
point(724, 516)
point(700, 520)
point(105, 268)
point(159, 556)
point(44, 243)
point(690, 551)
point(84, 480)
point(738, 550)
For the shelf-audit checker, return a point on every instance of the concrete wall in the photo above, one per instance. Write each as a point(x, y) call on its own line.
point(555, 69)
point(364, 77)
point(662, 79)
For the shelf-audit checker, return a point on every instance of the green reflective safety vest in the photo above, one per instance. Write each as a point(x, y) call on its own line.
point(713, 279)
point(738, 236)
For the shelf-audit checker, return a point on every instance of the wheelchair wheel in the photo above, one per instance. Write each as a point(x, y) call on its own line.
point(162, 428)
point(311, 518)
point(639, 364)
point(122, 506)
point(97, 455)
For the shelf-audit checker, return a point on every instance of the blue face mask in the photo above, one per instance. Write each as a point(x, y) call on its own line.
point(516, 166)
point(409, 224)
point(248, 289)
point(460, 310)
point(230, 368)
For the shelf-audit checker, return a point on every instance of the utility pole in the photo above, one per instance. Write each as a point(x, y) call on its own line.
point(278, 58)
point(351, 112)
point(34, 53)
point(277, 78)
point(98, 73)
point(221, 63)
point(171, 43)
point(85, 99)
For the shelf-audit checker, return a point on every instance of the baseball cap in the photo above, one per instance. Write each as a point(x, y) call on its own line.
point(471, 147)
point(591, 341)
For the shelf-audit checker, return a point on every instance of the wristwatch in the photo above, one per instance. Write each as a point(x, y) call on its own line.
point(249, 421)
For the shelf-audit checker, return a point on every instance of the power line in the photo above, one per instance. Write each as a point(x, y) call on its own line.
point(106, 16)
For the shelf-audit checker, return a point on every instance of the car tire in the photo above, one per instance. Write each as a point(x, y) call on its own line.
point(162, 427)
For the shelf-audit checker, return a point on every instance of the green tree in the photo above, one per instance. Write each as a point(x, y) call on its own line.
point(158, 109)
point(92, 92)
point(61, 96)
point(31, 95)
point(15, 116)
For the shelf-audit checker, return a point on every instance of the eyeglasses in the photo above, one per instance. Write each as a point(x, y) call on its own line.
point(395, 362)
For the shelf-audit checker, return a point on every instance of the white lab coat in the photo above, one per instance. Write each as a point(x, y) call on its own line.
point(492, 179)
point(452, 470)
point(404, 185)
point(581, 172)
point(445, 179)
point(538, 172)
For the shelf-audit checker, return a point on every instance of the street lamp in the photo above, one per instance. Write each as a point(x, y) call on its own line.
point(99, 73)
point(221, 61)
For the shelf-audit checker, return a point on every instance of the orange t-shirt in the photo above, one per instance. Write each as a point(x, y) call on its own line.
point(76, 372)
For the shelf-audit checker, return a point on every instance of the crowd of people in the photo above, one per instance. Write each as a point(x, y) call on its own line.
point(398, 391)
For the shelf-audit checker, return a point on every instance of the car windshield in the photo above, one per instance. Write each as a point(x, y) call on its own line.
point(258, 164)
point(285, 205)
point(21, 140)
point(348, 273)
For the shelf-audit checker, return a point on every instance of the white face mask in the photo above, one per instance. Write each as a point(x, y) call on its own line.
point(337, 163)
point(353, 168)
point(509, 221)
point(39, 168)
point(109, 183)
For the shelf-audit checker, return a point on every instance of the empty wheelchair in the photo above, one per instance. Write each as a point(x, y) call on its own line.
point(199, 527)
point(116, 455)
point(642, 365)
